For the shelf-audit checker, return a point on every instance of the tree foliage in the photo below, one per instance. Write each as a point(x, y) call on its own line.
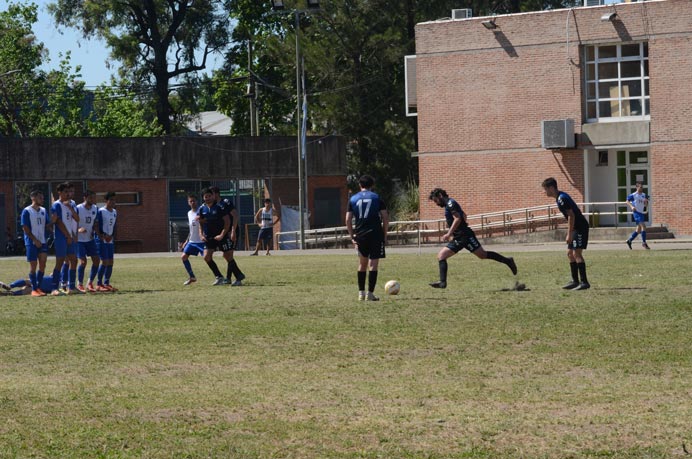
point(21, 86)
point(156, 40)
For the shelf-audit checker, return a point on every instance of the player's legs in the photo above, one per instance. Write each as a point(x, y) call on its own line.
point(641, 227)
point(442, 256)
point(209, 259)
point(185, 257)
point(233, 269)
point(481, 253)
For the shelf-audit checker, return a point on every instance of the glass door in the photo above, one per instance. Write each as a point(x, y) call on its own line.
point(633, 167)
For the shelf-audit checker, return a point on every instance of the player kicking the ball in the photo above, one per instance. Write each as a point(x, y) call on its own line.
point(460, 236)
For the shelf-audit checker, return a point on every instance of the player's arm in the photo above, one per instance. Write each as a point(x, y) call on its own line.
point(234, 215)
point(73, 211)
point(257, 217)
point(458, 218)
point(570, 225)
point(226, 228)
point(349, 226)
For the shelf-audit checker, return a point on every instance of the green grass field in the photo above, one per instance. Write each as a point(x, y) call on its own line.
point(292, 366)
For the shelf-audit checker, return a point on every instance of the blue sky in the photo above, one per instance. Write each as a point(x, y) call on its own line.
point(90, 54)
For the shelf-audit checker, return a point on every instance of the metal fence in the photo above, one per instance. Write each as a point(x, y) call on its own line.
point(503, 223)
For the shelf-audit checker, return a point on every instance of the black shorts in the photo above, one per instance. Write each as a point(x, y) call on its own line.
point(223, 245)
point(580, 239)
point(265, 234)
point(371, 246)
point(464, 238)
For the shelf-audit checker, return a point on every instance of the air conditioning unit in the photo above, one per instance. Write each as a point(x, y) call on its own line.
point(593, 2)
point(557, 134)
point(462, 13)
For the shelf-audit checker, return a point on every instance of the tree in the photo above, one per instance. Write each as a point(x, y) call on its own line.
point(156, 40)
point(21, 83)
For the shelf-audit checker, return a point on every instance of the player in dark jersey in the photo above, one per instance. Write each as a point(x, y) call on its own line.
point(369, 235)
point(215, 224)
point(460, 236)
point(232, 213)
point(577, 234)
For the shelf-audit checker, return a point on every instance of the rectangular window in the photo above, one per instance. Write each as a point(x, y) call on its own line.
point(617, 82)
point(122, 198)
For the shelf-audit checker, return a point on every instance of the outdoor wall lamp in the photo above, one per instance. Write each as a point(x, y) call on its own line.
point(489, 24)
point(609, 17)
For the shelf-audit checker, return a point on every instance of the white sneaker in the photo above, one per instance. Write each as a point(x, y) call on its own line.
point(189, 281)
point(372, 297)
point(361, 296)
point(220, 281)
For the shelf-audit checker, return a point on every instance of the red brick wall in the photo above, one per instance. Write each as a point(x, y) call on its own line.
point(501, 181)
point(482, 95)
point(146, 222)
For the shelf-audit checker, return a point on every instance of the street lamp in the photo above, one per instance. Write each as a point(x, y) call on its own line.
point(278, 5)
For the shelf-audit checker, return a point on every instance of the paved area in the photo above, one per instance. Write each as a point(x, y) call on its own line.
point(684, 243)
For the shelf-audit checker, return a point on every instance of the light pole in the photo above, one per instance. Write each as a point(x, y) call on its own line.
point(278, 5)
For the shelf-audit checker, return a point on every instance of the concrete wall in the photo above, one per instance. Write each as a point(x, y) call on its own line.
point(215, 157)
point(482, 95)
point(146, 165)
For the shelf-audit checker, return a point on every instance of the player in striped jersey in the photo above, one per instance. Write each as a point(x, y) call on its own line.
point(193, 245)
point(33, 221)
point(86, 244)
point(63, 216)
point(107, 217)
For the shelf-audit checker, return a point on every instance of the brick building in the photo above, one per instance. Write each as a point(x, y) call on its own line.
point(619, 73)
point(152, 177)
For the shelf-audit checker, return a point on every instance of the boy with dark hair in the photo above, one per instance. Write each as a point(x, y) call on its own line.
point(638, 201)
point(265, 219)
point(65, 220)
point(193, 245)
point(33, 221)
point(577, 234)
point(107, 217)
point(370, 234)
point(460, 236)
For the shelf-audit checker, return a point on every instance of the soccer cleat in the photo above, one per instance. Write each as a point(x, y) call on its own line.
point(37, 293)
point(42, 293)
point(254, 254)
point(4, 286)
point(102, 288)
point(571, 285)
point(110, 288)
point(237, 283)
point(189, 281)
point(371, 297)
point(70, 291)
point(438, 284)
point(646, 246)
point(361, 296)
point(81, 288)
point(582, 286)
point(91, 288)
point(629, 243)
point(241, 278)
point(220, 281)
point(57, 293)
point(512, 265)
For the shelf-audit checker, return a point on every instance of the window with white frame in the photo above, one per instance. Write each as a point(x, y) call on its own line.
point(617, 82)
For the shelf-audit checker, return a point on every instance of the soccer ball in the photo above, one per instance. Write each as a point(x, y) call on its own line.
point(392, 287)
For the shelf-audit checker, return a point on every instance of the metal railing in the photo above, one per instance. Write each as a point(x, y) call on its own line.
point(501, 223)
